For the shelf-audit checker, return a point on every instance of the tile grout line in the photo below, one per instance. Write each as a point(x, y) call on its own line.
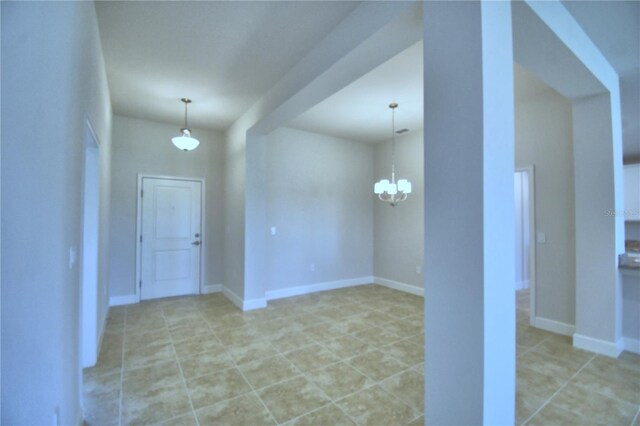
point(320, 321)
point(322, 391)
point(253, 390)
point(592, 357)
point(373, 382)
point(636, 417)
point(301, 373)
point(531, 348)
point(304, 375)
point(184, 381)
point(559, 390)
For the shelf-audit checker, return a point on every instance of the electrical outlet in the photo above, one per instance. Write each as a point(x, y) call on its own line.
point(418, 270)
point(541, 238)
point(273, 230)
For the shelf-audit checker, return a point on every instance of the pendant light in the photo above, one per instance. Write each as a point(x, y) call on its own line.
point(185, 142)
point(390, 191)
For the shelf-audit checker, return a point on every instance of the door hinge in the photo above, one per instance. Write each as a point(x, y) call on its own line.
point(141, 193)
point(140, 283)
point(140, 237)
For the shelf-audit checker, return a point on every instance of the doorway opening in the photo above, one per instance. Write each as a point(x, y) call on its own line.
point(90, 240)
point(525, 267)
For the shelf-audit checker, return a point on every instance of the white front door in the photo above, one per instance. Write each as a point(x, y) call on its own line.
point(171, 237)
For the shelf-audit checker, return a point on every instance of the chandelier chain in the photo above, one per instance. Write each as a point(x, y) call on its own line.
point(393, 145)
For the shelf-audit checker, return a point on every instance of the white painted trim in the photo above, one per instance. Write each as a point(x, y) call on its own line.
point(313, 288)
point(396, 285)
point(101, 334)
point(212, 288)
point(631, 345)
point(234, 298)
point(90, 283)
point(251, 304)
point(203, 240)
point(244, 305)
point(554, 326)
point(602, 347)
point(522, 285)
point(531, 178)
point(123, 300)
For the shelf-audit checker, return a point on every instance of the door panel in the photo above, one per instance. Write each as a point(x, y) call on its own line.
point(171, 221)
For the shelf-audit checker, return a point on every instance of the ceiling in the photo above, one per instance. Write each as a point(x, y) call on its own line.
point(614, 27)
point(361, 111)
point(226, 55)
point(222, 55)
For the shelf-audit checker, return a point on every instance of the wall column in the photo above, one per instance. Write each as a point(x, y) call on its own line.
point(255, 233)
point(469, 221)
point(598, 292)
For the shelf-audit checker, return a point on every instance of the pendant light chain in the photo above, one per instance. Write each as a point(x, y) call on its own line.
point(186, 125)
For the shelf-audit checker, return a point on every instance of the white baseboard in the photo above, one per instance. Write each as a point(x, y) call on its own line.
point(602, 347)
point(554, 326)
point(251, 304)
point(396, 285)
point(244, 305)
point(631, 345)
point(237, 300)
point(312, 288)
point(212, 288)
point(122, 300)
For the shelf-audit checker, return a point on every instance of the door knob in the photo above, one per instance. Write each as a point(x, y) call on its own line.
point(196, 243)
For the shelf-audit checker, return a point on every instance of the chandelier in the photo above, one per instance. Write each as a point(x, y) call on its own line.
point(185, 141)
point(390, 191)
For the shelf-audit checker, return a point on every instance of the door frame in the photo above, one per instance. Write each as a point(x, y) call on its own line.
point(530, 171)
point(90, 337)
point(203, 240)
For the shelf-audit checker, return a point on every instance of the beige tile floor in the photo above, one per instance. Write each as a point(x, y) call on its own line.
point(341, 357)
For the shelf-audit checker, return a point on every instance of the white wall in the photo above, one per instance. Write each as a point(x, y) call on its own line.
point(543, 138)
point(52, 75)
point(399, 231)
point(320, 200)
point(369, 36)
point(145, 147)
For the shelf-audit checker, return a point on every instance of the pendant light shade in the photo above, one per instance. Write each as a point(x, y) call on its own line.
point(185, 142)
